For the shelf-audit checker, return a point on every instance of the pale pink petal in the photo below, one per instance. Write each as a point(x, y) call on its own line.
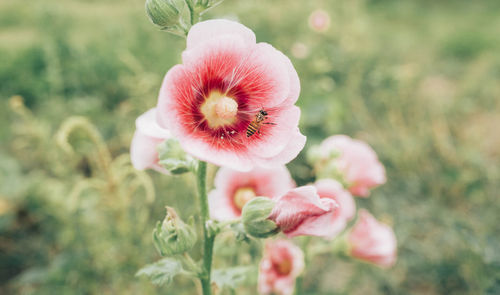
point(357, 162)
point(290, 151)
point(323, 225)
point(272, 139)
point(329, 188)
point(147, 124)
point(301, 212)
point(237, 160)
point(372, 241)
point(221, 207)
point(294, 84)
point(143, 152)
point(148, 135)
point(211, 29)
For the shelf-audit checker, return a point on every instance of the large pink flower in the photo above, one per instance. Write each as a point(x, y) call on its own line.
point(372, 241)
point(147, 137)
point(281, 264)
point(301, 212)
point(233, 189)
point(332, 189)
point(225, 81)
point(357, 162)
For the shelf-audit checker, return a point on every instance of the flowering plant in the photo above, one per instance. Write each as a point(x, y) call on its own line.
point(231, 103)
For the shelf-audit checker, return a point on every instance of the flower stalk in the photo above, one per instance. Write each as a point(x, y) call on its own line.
point(208, 236)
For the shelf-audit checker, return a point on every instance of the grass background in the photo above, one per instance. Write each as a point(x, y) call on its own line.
point(417, 80)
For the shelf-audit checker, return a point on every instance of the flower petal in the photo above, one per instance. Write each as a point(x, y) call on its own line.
point(272, 139)
point(289, 152)
point(143, 152)
point(210, 29)
point(148, 125)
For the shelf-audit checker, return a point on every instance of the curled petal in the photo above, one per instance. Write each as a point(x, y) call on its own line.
point(301, 212)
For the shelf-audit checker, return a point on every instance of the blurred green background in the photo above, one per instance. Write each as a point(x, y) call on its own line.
point(419, 80)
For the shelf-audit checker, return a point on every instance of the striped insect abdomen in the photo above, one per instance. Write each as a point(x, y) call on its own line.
point(252, 128)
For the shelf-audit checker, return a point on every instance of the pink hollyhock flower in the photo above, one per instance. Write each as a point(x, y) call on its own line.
point(357, 162)
point(233, 189)
point(232, 100)
point(332, 189)
point(372, 241)
point(301, 212)
point(147, 137)
point(281, 264)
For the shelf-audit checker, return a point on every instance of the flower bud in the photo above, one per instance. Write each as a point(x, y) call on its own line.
point(173, 158)
point(168, 14)
point(255, 220)
point(173, 236)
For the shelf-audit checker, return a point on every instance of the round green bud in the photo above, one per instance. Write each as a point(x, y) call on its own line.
point(164, 13)
point(254, 218)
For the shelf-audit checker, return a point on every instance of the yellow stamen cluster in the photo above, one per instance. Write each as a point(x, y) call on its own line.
point(242, 196)
point(219, 110)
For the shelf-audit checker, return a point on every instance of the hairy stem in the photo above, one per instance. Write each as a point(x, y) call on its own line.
point(208, 237)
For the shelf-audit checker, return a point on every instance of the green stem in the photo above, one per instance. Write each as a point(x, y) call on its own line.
point(208, 237)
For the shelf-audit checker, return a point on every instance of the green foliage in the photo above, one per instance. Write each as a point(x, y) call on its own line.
point(161, 272)
point(174, 159)
point(234, 277)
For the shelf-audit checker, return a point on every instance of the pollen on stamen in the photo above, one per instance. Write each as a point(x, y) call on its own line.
point(226, 108)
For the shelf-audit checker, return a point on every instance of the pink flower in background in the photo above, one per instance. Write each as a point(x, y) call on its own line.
point(357, 162)
point(233, 189)
point(226, 80)
point(281, 264)
point(332, 189)
point(147, 137)
point(372, 241)
point(319, 20)
point(301, 212)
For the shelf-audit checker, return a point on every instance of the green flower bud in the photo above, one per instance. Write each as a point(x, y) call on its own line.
point(174, 158)
point(254, 217)
point(173, 236)
point(162, 12)
point(171, 15)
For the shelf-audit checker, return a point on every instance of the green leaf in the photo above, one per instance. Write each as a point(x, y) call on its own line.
point(162, 271)
point(234, 276)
